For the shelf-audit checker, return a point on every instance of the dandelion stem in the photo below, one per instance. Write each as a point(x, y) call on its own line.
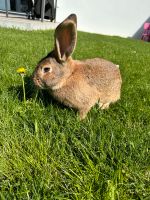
point(23, 86)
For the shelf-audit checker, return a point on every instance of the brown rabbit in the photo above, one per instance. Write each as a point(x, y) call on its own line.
point(77, 84)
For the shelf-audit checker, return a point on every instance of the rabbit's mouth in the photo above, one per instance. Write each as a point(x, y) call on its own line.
point(38, 83)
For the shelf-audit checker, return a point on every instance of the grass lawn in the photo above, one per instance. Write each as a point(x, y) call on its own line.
point(47, 153)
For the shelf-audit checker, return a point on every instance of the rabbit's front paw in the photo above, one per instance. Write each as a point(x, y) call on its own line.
point(83, 112)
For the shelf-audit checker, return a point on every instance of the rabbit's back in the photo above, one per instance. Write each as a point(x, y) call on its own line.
point(100, 73)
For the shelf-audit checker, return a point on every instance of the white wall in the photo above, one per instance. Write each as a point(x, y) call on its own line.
point(111, 17)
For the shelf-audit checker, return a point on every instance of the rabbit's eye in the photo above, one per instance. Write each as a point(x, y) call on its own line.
point(47, 69)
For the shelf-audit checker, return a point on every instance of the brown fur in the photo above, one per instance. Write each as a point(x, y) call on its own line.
point(77, 84)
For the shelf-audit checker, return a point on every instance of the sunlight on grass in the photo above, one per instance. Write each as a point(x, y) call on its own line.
point(46, 152)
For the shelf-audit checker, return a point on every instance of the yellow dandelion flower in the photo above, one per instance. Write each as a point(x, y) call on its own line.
point(21, 70)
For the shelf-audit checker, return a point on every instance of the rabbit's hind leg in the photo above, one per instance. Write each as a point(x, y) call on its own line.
point(104, 105)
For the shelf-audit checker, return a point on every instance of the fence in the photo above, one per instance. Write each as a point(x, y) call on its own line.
point(8, 11)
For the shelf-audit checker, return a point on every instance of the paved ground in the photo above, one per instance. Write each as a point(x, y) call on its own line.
point(25, 24)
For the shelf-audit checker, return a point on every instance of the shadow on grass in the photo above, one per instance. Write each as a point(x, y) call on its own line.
point(33, 93)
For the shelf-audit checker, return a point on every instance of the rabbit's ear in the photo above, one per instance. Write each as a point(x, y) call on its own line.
point(65, 38)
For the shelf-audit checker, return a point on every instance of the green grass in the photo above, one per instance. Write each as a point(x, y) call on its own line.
point(47, 153)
